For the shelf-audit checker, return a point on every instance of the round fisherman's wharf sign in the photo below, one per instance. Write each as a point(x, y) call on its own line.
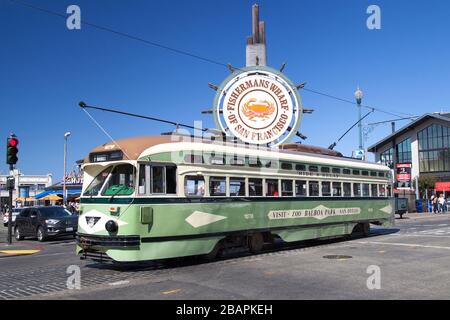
point(258, 107)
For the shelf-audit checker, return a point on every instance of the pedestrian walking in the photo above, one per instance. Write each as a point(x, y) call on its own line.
point(441, 203)
point(434, 200)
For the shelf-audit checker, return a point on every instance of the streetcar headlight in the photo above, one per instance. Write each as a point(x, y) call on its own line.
point(111, 226)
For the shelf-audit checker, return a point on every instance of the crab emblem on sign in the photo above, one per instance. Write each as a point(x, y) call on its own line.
point(257, 109)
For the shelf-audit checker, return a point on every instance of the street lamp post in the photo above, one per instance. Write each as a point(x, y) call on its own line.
point(358, 97)
point(66, 135)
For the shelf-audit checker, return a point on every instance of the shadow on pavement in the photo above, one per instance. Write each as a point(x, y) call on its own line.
point(230, 254)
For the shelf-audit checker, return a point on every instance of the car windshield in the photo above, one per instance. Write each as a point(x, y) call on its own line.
point(54, 212)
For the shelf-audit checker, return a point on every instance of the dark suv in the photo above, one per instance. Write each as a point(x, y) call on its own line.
point(45, 222)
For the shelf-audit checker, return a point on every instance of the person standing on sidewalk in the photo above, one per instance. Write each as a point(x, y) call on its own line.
point(434, 200)
point(441, 202)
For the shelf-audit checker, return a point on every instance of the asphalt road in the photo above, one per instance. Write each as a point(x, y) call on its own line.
point(412, 259)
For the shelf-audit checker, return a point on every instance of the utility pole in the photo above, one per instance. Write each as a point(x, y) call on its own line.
point(11, 160)
point(358, 97)
point(66, 135)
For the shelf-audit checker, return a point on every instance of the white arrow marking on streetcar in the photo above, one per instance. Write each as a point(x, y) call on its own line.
point(387, 209)
point(199, 219)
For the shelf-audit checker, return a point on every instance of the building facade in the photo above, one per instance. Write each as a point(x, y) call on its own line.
point(25, 185)
point(425, 145)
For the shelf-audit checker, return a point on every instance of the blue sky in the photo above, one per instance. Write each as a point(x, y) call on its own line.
point(46, 69)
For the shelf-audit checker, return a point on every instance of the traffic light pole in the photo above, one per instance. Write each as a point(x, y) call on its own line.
point(10, 189)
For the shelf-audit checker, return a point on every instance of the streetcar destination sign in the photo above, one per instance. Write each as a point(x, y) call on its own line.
point(320, 212)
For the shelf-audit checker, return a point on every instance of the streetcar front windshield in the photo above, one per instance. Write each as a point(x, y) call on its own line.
point(116, 180)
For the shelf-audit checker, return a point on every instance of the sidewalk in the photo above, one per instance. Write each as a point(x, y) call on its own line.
point(424, 215)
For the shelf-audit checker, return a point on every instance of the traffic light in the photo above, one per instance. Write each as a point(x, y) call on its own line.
point(11, 149)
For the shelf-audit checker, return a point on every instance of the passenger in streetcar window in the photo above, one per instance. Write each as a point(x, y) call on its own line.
point(201, 190)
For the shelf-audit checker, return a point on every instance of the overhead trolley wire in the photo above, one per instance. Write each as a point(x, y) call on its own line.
point(186, 53)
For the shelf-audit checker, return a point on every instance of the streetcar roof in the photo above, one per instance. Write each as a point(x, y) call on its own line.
point(137, 147)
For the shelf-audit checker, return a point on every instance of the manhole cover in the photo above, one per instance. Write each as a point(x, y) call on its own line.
point(337, 256)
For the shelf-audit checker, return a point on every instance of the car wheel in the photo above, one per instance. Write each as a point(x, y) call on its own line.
point(17, 234)
point(40, 234)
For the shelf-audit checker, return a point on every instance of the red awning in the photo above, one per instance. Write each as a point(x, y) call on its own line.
point(442, 186)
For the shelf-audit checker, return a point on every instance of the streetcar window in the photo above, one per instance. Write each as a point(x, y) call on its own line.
point(157, 180)
point(268, 164)
point(313, 188)
point(192, 158)
point(300, 167)
point(121, 181)
point(237, 187)
point(144, 179)
point(286, 166)
point(313, 168)
point(347, 189)
point(325, 169)
point(300, 188)
point(365, 189)
point(356, 172)
point(194, 186)
point(381, 174)
point(337, 189)
point(286, 188)
point(272, 188)
point(255, 187)
point(365, 173)
point(95, 186)
point(374, 189)
point(346, 171)
point(382, 190)
point(326, 189)
point(254, 162)
point(171, 180)
point(373, 173)
point(237, 161)
point(389, 191)
point(217, 161)
point(217, 186)
point(336, 170)
point(357, 189)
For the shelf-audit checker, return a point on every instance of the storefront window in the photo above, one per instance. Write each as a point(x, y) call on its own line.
point(434, 148)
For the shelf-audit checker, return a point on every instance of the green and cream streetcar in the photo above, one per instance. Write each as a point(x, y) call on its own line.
point(160, 197)
point(168, 196)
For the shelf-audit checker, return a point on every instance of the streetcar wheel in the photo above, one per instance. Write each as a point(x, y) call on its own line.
point(361, 230)
point(17, 234)
point(256, 242)
point(40, 234)
point(213, 254)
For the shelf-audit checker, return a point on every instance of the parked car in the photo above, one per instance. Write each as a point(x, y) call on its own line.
point(15, 211)
point(45, 222)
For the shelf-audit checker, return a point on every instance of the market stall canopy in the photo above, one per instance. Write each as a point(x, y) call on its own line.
point(22, 199)
point(74, 192)
point(442, 186)
point(52, 197)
